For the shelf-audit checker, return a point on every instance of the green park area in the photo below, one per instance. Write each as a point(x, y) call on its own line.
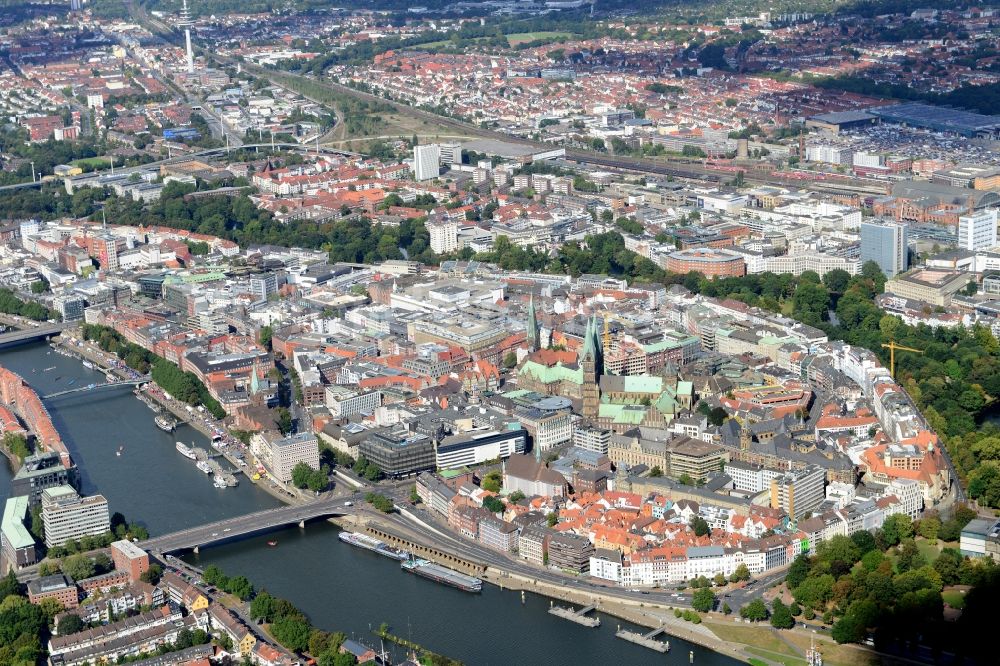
point(92, 163)
point(521, 37)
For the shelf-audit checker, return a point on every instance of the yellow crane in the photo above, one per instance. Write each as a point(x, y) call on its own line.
point(892, 347)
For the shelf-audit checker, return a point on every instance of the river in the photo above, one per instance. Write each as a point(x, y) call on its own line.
point(340, 587)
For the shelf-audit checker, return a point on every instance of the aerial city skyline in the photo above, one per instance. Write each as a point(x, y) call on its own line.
point(662, 334)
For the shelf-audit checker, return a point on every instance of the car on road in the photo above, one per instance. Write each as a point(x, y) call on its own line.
point(215, 534)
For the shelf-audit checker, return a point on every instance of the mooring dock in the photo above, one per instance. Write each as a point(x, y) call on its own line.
point(647, 640)
point(581, 616)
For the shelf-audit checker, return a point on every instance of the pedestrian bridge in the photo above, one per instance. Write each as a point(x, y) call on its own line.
point(97, 387)
point(241, 527)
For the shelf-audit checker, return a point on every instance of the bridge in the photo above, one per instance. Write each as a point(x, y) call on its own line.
point(41, 332)
point(98, 387)
point(241, 527)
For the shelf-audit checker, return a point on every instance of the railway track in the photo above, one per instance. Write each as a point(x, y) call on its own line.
point(675, 169)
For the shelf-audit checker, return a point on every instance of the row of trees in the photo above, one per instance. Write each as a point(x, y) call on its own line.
point(365, 468)
point(120, 529)
point(353, 239)
point(380, 502)
point(11, 304)
point(183, 386)
point(316, 480)
point(239, 586)
point(983, 98)
point(292, 629)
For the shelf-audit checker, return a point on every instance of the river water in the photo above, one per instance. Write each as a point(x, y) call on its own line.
point(340, 587)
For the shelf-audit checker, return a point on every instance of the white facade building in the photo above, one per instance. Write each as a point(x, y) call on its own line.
point(67, 516)
point(426, 162)
point(978, 230)
point(280, 455)
point(444, 236)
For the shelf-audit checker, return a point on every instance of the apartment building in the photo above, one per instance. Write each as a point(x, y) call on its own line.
point(571, 552)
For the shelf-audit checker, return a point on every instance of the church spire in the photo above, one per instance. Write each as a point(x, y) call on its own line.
point(533, 336)
point(588, 341)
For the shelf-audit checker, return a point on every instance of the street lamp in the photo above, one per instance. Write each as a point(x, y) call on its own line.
point(104, 215)
point(32, 171)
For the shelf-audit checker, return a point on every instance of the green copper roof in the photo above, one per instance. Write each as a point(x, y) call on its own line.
point(642, 384)
point(666, 404)
point(14, 531)
point(622, 413)
point(550, 374)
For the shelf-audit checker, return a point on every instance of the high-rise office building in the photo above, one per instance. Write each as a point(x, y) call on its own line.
point(885, 244)
point(66, 515)
point(799, 492)
point(280, 455)
point(426, 161)
point(451, 153)
point(978, 230)
point(264, 285)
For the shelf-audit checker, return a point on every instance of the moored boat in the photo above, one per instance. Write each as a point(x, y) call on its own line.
point(165, 423)
point(203, 466)
point(374, 545)
point(443, 575)
point(186, 451)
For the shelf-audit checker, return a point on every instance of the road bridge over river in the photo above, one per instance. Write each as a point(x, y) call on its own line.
point(41, 332)
point(240, 527)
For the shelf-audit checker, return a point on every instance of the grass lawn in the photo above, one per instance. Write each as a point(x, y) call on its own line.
point(954, 598)
point(928, 549)
point(757, 637)
point(521, 37)
point(775, 657)
point(833, 654)
point(442, 43)
point(932, 550)
point(93, 162)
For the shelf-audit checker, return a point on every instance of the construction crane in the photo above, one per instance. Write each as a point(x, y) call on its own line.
point(892, 347)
